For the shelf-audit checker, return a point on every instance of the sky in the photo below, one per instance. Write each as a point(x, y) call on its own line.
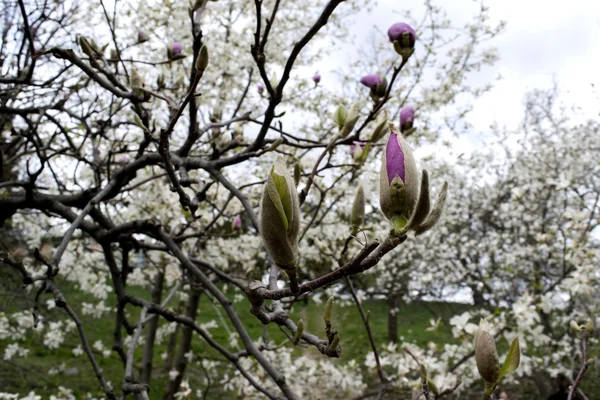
point(545, 41)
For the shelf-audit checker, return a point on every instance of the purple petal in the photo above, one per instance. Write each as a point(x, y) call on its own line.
point(395, 32)
point(371, 81)
point(176, 48)
point(394, 159)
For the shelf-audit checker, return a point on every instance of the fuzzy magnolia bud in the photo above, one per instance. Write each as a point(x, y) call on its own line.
point(403, 37)
point(407, 116)
point(202, 60)
point(339, 117)
point(316, 78)
point(486, 357)
point(575, 326)
point(175, 51)
point(280, 216)
point(399, 180)
point(328, 310)
point(236, 225)
point(350, 121)
point(375, 83)
point(358, 209)
point(135, 79)
point(299, 332)
point(381, 129)
point(356, 150)
point(260, 88)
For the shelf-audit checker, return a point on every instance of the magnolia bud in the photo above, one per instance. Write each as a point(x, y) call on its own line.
point(403, 37)
point(316, 78)
point(328, 310)
point(399, 180)
point(339, 117)
point(356, 150)
point(358, 209)
point(297, 172)
point(280, 216)
point(350, 121)
point(238, 134)
point(335, 342)
point(299, 332)
point(236, 225)
point(382, 128)
point(175, 51)
point(135, 79)
point(589, 325)
point(85, 46)
point(575, 326)
point(407, 116)
point(486, 357)
point(202, 60)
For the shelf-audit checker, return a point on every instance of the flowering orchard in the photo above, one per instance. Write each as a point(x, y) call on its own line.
point(161, 157)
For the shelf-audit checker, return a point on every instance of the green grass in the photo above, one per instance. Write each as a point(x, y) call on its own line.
point(22, 374)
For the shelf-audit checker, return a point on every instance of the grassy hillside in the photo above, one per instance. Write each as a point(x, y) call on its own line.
point(22, 374)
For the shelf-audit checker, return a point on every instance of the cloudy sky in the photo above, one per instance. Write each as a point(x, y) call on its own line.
point(544, 41)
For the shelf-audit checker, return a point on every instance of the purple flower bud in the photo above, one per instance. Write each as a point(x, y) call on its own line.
point(356, 145)
point(237, 223)
point(371, 81)
point(316, 78)
point(176, 48)
point(403, 34)
point(124, 159)
point(260, 88)
point(399, 179)
point(407, 116)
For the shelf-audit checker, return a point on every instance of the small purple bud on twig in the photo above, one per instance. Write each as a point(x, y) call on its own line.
point(175, 51)
point(316, 78)
point(403, 37)
point(236, 225)
point(407, 116)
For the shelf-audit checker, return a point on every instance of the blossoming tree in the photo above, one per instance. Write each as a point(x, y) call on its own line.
point(155, 153)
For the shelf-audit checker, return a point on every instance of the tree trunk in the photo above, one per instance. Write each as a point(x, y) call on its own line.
point(151, 332)
point(184, 347)
point(393, 318)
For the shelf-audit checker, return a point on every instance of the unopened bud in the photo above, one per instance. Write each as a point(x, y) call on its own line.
point(358, 209)
point(351, 120)
point(433, 387)
point(275, 145)
point(335, 342)
point(382, 127)
point(339, 117)
point(575, 326)
point(299, 332)
point(589, 325)
point(202, 60)
point(135, 79)
point(486, 356)
point(297, 172)
point(328, 310)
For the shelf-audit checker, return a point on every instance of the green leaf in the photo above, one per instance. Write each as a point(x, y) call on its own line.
point(513, 358)
point(275, 199)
